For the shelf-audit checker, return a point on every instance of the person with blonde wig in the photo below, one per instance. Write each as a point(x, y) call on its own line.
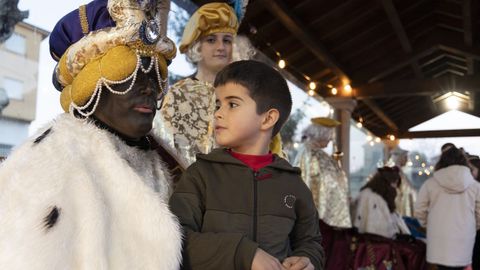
point(323, 175)
point(186, 118)
point(89, 190)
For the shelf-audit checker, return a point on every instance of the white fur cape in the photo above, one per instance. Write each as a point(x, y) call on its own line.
point(82, 199)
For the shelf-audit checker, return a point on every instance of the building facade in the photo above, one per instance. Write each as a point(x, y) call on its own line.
point(19, 60)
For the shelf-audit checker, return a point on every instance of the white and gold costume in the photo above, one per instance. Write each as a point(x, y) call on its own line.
point(186, 118)
point(323, 175)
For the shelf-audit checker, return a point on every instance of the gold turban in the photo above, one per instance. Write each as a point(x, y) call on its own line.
point(111, 55)
point(208, 19)
point(325, 121)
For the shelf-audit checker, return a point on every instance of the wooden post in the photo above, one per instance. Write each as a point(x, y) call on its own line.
point(343, 113)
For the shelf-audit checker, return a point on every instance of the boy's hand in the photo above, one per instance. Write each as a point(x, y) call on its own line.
point(298, 263)
point(264, 261)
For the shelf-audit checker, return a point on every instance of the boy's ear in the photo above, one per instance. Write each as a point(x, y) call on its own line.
point(270, 119)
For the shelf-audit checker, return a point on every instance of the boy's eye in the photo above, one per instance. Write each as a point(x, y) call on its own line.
point(232, 105)
point(211, 40)
point(227, 41)
point(217, 107)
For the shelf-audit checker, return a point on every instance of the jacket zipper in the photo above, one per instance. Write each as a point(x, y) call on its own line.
point(255, 175)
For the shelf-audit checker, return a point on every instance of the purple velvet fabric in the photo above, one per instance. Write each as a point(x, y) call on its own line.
point(68, 30)
point(343, 252)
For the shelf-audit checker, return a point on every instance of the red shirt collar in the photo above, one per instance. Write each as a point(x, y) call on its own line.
point(255, 162)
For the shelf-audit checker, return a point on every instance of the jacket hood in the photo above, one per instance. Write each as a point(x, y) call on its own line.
point(221, 155)
point(454, 179)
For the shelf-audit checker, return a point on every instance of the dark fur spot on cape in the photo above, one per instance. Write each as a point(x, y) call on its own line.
point(51, 219)
point(41, 137)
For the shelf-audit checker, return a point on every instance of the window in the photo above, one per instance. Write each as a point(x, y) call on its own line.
point(13, 87)
point(17, 44)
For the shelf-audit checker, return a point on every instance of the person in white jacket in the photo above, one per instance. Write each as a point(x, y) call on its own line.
point(376, 207)
point(448, 204)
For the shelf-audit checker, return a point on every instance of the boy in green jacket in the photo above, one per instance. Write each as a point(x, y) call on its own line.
point(242, 207)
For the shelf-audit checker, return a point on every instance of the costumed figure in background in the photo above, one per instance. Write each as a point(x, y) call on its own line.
point(89, 191)
point(375, 212)
point(406, 194)
point(186, 118)
point(323, 175)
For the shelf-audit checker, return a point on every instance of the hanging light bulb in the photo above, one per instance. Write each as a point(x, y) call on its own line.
point(360, 122)
point(311, 92)
point(347, 88)
point(282, 63)
point(377, 140)
point(369, 138)
point(391, 137)
point(312, 85)
point(334, 91)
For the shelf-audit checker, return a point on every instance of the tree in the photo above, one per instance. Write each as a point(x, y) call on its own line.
point(290, 127)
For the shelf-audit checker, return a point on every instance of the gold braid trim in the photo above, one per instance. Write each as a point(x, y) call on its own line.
point(82, 13)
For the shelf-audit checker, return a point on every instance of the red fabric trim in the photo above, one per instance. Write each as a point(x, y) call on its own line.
point(255, 162)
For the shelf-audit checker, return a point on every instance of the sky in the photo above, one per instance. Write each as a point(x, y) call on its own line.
point(45, 14)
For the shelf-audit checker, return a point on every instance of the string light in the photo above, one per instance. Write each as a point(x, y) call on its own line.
point(347, 88)
point(282, 64)
point(360, 122)
point(377, 140)
point(369, 137)
point(391, 137)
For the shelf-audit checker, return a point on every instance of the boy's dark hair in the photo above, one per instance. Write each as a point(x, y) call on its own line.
point(451, 156)
point(381, 184)
point(267, 87)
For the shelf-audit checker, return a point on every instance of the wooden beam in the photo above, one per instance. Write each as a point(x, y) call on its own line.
point(302, 33)
point(381, 114)
point(418, 87)
point(412, 58)
point(433, 60)
point(397, 24)
point(467, 22)
point(440, 134)
point(401, 34)
point(441, 40)
point(474, 53)
point(447, 71)
point(468, 32)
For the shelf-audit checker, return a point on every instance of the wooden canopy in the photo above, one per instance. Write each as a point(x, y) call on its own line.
point(398, 55)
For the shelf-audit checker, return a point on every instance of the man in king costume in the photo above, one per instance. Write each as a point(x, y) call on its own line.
point(323, 175)
point(89, 191)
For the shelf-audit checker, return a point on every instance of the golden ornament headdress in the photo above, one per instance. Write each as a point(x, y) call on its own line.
point(208, 19)
point(101, 44)
point(325, 121)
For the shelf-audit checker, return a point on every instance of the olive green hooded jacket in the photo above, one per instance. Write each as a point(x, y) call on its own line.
point(228, 211)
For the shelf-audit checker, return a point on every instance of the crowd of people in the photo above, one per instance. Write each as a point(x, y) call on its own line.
point(139, 175)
